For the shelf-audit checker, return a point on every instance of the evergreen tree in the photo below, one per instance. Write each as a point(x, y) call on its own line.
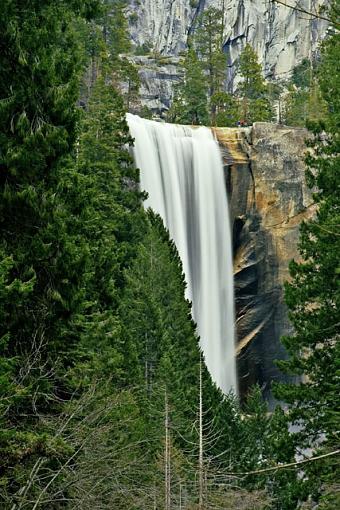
point(115, 29)
point(227, 109)
point(190, 102)
point(116, 35)
point(44, 260)
point(252, 90)
point(313, 295)
point(107, 45)
point(295, 107)
point(156, 316)
point(113, 219)
point(304, 101)
point(208, 42)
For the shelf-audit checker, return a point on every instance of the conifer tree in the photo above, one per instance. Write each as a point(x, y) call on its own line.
point(205, 73)
point(44, 261)
point(190, 104)
point(123, 72)
point(313, 296)
point(255, 105)
point(304, 101)
point(113, 220)
point(208, 42)
point(107, 45)
point(227, 109)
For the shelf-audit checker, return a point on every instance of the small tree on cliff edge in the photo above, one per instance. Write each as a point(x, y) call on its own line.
point(255, 105)
point(190, 105)
point(208, 42)
point(227, 109)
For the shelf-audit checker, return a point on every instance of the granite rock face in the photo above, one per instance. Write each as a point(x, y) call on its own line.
point(281, 37)
point(157, 76)
point(264, 167)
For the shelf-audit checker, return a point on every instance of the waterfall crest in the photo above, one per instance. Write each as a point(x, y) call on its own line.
point(181, 169)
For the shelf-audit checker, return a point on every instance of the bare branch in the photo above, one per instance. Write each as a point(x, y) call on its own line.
point(313, 15)
point(286, 466)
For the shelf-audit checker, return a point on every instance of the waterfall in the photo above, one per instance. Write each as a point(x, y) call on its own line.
point(181, 169)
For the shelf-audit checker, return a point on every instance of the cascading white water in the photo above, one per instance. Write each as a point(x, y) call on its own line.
point(181, 169)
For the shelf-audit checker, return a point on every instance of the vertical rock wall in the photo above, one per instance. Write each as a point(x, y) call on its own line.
point(265, 177)
point(281, 36)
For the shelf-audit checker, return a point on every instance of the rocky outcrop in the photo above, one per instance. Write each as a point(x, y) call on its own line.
point(281, 36)
point(157, 76)
point(264, 167)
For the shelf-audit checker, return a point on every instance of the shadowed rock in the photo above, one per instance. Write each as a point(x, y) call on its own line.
point(265, 178)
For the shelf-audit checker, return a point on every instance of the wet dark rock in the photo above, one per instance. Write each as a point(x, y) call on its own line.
point(265, 179)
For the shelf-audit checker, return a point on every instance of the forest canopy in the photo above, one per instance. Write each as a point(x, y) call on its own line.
point(105, 399)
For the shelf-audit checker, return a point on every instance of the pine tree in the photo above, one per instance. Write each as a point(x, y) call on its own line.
point(252, 90)
point(190, 104)
point(227, 109)
point(204, 72)
point(313, 296)
point(116, 35)
point(208, 42)
point(304, 101)
point(113, 220)
point(44, 260)
point(107, 45)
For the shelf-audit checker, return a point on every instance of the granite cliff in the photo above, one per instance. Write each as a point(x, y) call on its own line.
point(281, 37)
point(264, 169)
point(264, 164)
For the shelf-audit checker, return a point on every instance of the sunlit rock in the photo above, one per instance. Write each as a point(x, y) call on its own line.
point(265, 177)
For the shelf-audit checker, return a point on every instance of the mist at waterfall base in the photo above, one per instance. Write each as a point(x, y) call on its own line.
point(181, 170)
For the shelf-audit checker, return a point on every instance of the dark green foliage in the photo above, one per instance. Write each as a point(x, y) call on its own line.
point(253, 85)
point(154, 311)
point(97, 342)
point(162, 354)
point(255, 105)
point(205, 75)
point(122, 72)
point(144, 49)
point(227, 109)
point(190, 102)
point(266, 437)
point(44, 263)
point(313, 295)
point(116, 27)
point(112, 220)
point(145, 113)
point(302, 74)
point(105, 47)
point(208, 41)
